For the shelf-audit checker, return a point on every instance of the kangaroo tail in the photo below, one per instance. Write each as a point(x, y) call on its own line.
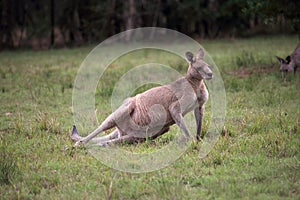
point(74, 135)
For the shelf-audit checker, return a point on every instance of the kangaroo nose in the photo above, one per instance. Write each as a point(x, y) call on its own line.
point(210, 74)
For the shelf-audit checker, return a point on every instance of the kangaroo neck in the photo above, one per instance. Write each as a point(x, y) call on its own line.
point(194, 81)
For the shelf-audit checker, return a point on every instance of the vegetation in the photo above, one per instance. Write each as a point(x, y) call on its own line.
point(257, 157)
point(53, 23)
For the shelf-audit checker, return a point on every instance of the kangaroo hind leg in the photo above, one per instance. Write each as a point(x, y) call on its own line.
point(76, 137)
point(111, 121)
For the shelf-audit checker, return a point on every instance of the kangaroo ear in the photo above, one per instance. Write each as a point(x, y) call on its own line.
point(189, 57)
point(288, 59)
point(280, 59)
point(200, 54)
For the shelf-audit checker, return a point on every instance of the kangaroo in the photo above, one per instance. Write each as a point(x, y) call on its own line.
point(151, 113)
point(290, 63)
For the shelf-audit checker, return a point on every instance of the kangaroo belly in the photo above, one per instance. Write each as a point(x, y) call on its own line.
point(144, 127)
point(152, 117)
point(147, 118)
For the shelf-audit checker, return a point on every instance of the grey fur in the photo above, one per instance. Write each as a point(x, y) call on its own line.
point(290, 63)
point(151, 113)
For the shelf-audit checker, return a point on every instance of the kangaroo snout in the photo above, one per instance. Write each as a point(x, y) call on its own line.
point(209, 75)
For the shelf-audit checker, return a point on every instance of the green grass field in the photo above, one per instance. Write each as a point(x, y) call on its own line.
point(258, 156)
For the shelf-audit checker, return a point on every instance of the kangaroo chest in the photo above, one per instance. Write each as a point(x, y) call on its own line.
point(202, 94)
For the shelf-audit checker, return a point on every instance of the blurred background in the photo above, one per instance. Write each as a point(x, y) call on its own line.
point(43, 24)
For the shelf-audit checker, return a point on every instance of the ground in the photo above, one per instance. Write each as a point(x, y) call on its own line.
point(257, 156)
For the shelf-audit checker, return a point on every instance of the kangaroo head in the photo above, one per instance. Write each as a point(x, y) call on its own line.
point(198, 68)
point(285, 64)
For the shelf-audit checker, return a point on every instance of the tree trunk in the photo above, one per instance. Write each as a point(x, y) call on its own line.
point(6, 39)
point(52, 17)
point(130, 18)
point(155, 17)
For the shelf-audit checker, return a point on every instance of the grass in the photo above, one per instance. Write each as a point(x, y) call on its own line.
point(256, 158)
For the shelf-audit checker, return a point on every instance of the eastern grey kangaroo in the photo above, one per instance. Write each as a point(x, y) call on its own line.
point(151, 113)
point(290, 63)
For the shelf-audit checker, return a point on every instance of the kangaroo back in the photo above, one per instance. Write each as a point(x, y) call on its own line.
point(295, 56)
